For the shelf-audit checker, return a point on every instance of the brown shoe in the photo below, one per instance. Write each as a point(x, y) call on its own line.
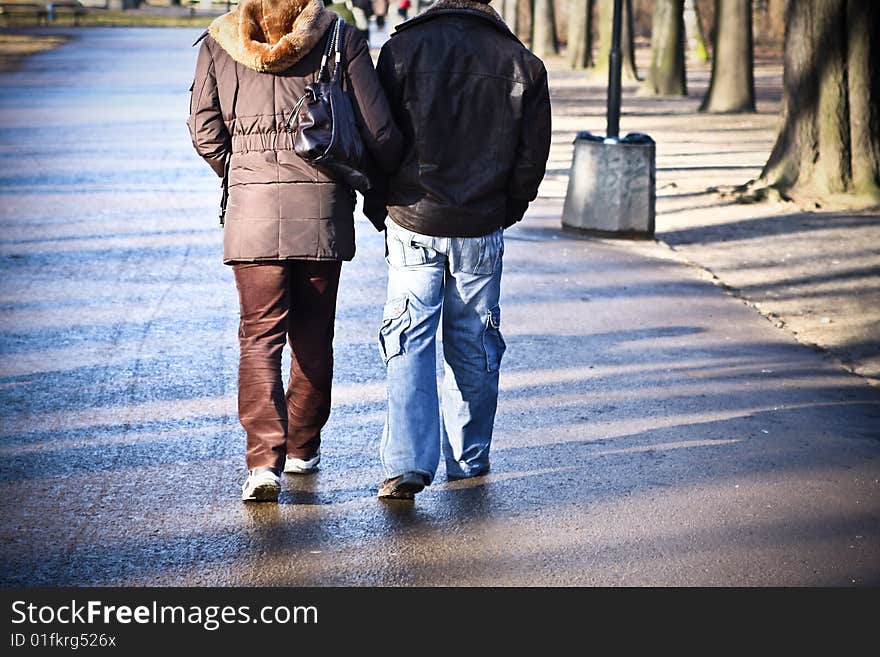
point(403, 487)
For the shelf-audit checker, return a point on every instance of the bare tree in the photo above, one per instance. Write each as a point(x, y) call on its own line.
point(769, 21)
point(666, 77)
point(580, 38)
point(694, 31)
point(828, 147)
point(510, 14)
point(544, 29)
point(606, 14)
point(524, 20)
point(507, 9)
point(732, 88)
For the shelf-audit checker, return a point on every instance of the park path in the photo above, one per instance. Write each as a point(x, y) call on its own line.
point(652, 429)
point(815, 275)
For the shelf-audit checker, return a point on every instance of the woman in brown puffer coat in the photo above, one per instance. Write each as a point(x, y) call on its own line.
point(288, 226)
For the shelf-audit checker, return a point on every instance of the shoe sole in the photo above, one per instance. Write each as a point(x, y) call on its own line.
point(405, 490)
point(290, 468)
point(263, 493)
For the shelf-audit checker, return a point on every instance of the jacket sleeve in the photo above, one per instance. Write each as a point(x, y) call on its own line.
point(372, 104)
point(380, 134)
point(206, 126)
point(532, 150)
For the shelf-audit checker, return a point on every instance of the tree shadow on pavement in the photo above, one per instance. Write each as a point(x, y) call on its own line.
point(769, 226)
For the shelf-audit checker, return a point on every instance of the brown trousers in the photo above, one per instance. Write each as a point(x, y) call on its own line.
point(293, 301)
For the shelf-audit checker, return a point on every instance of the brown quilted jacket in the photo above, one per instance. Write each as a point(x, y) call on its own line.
point(252, 68)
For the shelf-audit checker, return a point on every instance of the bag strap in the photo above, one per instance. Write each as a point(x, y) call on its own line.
point(337, 41)
point(333, 47)
point(224, 186)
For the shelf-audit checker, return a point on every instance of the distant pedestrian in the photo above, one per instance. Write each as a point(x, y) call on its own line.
point(352, 13)
point(380, 11)
point(365, 6)
point(288, 226)
point(474, 108)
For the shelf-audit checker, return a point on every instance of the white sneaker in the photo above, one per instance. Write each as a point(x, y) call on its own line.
point(261, 485)
point(300, 466)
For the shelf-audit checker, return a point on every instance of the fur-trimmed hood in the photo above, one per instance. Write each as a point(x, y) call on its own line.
point(470, 7)
point(270, 36)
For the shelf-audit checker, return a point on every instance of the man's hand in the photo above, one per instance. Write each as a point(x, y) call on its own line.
point(515, 211)
point(375, 210)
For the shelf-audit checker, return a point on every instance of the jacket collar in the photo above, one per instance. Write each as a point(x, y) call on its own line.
point(270, 36)
point(461, 8)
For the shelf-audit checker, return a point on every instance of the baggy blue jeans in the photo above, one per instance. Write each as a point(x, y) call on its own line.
point(456, 281)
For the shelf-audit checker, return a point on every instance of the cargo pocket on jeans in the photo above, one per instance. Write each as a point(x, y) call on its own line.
point(493, 342)
point(491, 252)
point(395, 320)
point(402, 248)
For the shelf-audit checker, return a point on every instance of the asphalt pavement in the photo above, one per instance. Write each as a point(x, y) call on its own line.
point(652, 429)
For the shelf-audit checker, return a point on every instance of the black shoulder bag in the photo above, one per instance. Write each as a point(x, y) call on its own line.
point(323, 124)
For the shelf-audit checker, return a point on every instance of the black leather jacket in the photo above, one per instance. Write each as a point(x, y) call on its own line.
point(474, 108)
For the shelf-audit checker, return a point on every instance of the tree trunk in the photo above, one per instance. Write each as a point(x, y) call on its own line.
point(524, 20)
point(829, 143)
point(580, 39)
point(769, 21)
point(666, 77)
point(732, 88)
point(606, 15)
point(694, 31)
point(560, 13)
point(510, 14)
point(544, 29)
point(863, 70)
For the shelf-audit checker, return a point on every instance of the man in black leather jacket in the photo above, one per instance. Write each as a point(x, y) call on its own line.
point(474, 108)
